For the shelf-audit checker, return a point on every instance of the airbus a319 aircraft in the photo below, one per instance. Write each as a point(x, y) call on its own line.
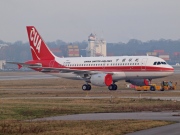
point(99, 71)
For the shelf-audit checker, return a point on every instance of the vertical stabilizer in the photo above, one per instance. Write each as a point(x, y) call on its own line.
point(39, 49)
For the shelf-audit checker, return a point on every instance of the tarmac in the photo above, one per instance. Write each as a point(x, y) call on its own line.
point(173, 129)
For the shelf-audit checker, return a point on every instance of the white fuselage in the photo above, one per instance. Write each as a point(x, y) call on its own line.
point(121, 67)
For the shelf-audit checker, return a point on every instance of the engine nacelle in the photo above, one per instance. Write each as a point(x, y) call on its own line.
point(101, 79)
point(139, 82)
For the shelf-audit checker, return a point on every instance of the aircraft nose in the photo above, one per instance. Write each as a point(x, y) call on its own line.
point(171, 69)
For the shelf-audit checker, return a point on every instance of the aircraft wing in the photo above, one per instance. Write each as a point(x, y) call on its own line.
point(62, 70)
point(75, 71)
point(20, 65)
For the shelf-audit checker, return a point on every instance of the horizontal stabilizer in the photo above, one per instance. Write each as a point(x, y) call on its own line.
point(20, 65)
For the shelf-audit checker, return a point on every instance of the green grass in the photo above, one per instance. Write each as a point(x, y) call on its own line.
point(23, 109)
point(102, 127)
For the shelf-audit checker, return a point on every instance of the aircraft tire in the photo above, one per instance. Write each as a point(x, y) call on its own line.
point(89, 87)
point(112, 87)
point(115, 87)
point(84, 87)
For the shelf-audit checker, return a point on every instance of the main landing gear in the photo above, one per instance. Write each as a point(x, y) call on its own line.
point(112, 87)
point(86, 87)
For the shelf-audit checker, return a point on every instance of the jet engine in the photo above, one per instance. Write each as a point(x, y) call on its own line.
point(139, 82)
point(101, 79)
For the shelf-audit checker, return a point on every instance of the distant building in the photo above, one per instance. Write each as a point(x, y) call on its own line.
point(165, 57)
point(96, 47)
point(73, 51)
point(2, 64)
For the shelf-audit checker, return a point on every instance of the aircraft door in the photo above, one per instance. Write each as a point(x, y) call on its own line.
point(143, 64)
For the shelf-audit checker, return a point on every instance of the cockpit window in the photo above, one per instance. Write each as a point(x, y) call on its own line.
point(159, 63)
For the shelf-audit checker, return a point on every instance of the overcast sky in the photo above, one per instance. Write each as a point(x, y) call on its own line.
point(74, 20)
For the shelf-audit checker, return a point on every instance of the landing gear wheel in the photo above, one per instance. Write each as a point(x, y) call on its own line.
point(112, 87)
point(89, 87)
point(115, 87)
point(86, 87)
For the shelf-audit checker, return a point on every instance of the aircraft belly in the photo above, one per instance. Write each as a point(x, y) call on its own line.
point(67, 76)
point(119, 76)
point(149, 75)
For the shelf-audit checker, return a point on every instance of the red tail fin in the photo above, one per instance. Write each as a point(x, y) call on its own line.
point(39, 49)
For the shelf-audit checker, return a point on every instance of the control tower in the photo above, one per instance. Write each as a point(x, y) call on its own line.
point(2, 62)
point(96, 47)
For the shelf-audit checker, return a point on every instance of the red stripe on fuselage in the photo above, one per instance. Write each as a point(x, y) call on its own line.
point(54, 64)
point(125, 68)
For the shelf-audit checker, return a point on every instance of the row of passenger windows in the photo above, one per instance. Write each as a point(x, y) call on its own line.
point(159, 63)
point(112, 64)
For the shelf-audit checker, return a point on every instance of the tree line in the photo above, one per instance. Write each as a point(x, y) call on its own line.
point(19, 51)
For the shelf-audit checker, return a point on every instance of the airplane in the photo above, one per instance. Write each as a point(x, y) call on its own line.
point(99, 71)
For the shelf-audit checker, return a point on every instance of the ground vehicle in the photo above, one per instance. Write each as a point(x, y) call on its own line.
point(165, 85)
point(168, 85)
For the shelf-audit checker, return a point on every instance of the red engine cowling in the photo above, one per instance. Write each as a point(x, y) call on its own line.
point(139, 82)
point(101, 79)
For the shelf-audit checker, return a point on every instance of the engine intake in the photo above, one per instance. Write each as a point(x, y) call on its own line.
point(101, 79)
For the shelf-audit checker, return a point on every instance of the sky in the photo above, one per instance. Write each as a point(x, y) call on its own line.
point(74, 20)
